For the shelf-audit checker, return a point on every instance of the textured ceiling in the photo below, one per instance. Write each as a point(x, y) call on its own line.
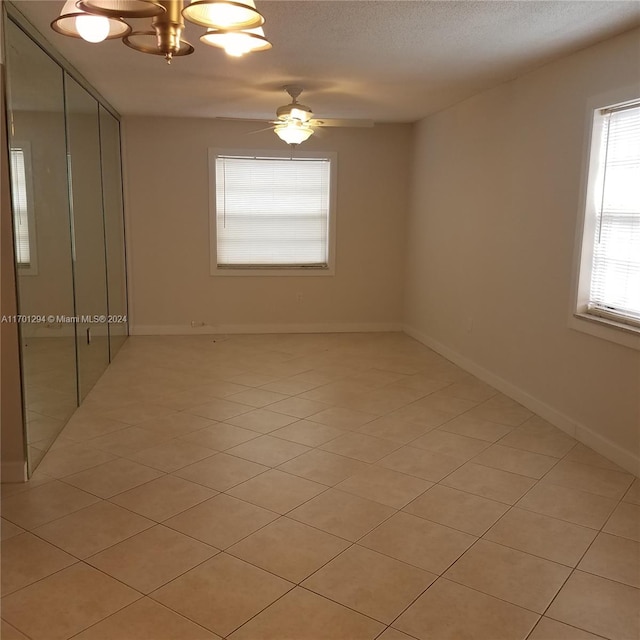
point(390, 61)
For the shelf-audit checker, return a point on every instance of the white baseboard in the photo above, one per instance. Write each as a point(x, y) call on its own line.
point(14, 471)
point(584, 434)
point(187, 330)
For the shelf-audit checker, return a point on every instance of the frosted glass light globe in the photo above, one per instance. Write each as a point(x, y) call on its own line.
point(92, 28)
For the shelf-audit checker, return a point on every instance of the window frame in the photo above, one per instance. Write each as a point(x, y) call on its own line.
point(284, 270)
point(580, 319)
point(24, 269)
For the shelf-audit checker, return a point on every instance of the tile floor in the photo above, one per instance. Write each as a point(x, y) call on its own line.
point(311, 487)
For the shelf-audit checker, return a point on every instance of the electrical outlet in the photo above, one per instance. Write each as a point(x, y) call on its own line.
point(197, 323)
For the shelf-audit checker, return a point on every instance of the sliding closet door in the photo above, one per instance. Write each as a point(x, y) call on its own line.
point(89, 262)
point(38, 167)
point(114, 229)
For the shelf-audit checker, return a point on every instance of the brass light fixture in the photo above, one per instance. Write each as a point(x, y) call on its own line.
point(234, 25)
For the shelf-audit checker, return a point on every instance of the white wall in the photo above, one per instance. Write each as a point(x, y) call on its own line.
point(491, 232)
point(168, 220)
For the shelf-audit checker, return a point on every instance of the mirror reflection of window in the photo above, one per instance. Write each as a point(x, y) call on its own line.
point(23, 218)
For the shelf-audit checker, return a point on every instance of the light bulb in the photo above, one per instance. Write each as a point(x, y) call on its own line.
point(237, 44)
point(92, 28)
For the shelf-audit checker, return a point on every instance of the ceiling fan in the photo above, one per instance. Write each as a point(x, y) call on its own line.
point(295, 123)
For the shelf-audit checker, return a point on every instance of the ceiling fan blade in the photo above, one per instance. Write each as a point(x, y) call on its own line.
point(271, 128)
point(340, 122)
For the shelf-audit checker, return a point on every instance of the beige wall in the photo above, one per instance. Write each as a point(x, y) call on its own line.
point(491, 232)
point(166, 169)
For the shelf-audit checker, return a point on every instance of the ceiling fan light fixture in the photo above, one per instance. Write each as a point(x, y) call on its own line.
point(293, 132)
point(225, 15)
point(77, 23)
point(237, 43)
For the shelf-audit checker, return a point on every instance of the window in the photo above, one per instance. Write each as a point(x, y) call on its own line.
point(609, 287)
point(23, 218)
point(272, 214)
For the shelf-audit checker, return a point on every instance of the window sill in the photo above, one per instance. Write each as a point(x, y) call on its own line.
point(623, 334)
point(281, 271)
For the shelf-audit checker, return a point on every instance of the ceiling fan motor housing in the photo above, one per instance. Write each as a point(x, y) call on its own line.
point(294, 111)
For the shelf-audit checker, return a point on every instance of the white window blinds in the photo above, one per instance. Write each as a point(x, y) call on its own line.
point(20, 207)
point(615, 278)
point(272, 212)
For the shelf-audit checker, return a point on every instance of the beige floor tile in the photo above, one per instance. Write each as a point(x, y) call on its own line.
point(298, 407)
point(268, 450)
point(289, 549)
point(37, 479)
point(302, 615)
point(81, 428)
point(137, 412)
point(219, 409)
point(221, 436)
point(46, 502)
point(308, 433)
point(597, 605)
point(571, 505)
point(342, 514)
point(257, 397)
point(538, 436)
point(162, 498)
point(542, 536)
point(291, 386)
point(382, 400)
point(9, 530)
point(64, 462)
point(172, 455)
point(342, 418)
point(471, 389)
point(393, 634)
point(221, 521)
point(8, 632)
point(111, 478)
point(502, 410)
point(525, 463)
point(146, 619)
point(152, 558)
point(602, 482)
point(27, 559)
point(277, 491)
point(625, 521)
point(390, 427)
point(450, 611)
point(385, 486)
point(633, 494)
point(548, 629)
point(423, 544)
point(176, 424)
point(510, 575)
point(66, 603)
point(262, 420)
point(361, 447)
point(93, 529)
point(221, 472)
point(457, 509)
point(251, 379)
point(468, 425)
point(451, 445)
point(447, 404)
point(222, 593)
point(585, 455)
point(373, 584)
point(614, 558)
point(322, 466)
point(127, 441)
point(489, 483)
point(420, 463)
